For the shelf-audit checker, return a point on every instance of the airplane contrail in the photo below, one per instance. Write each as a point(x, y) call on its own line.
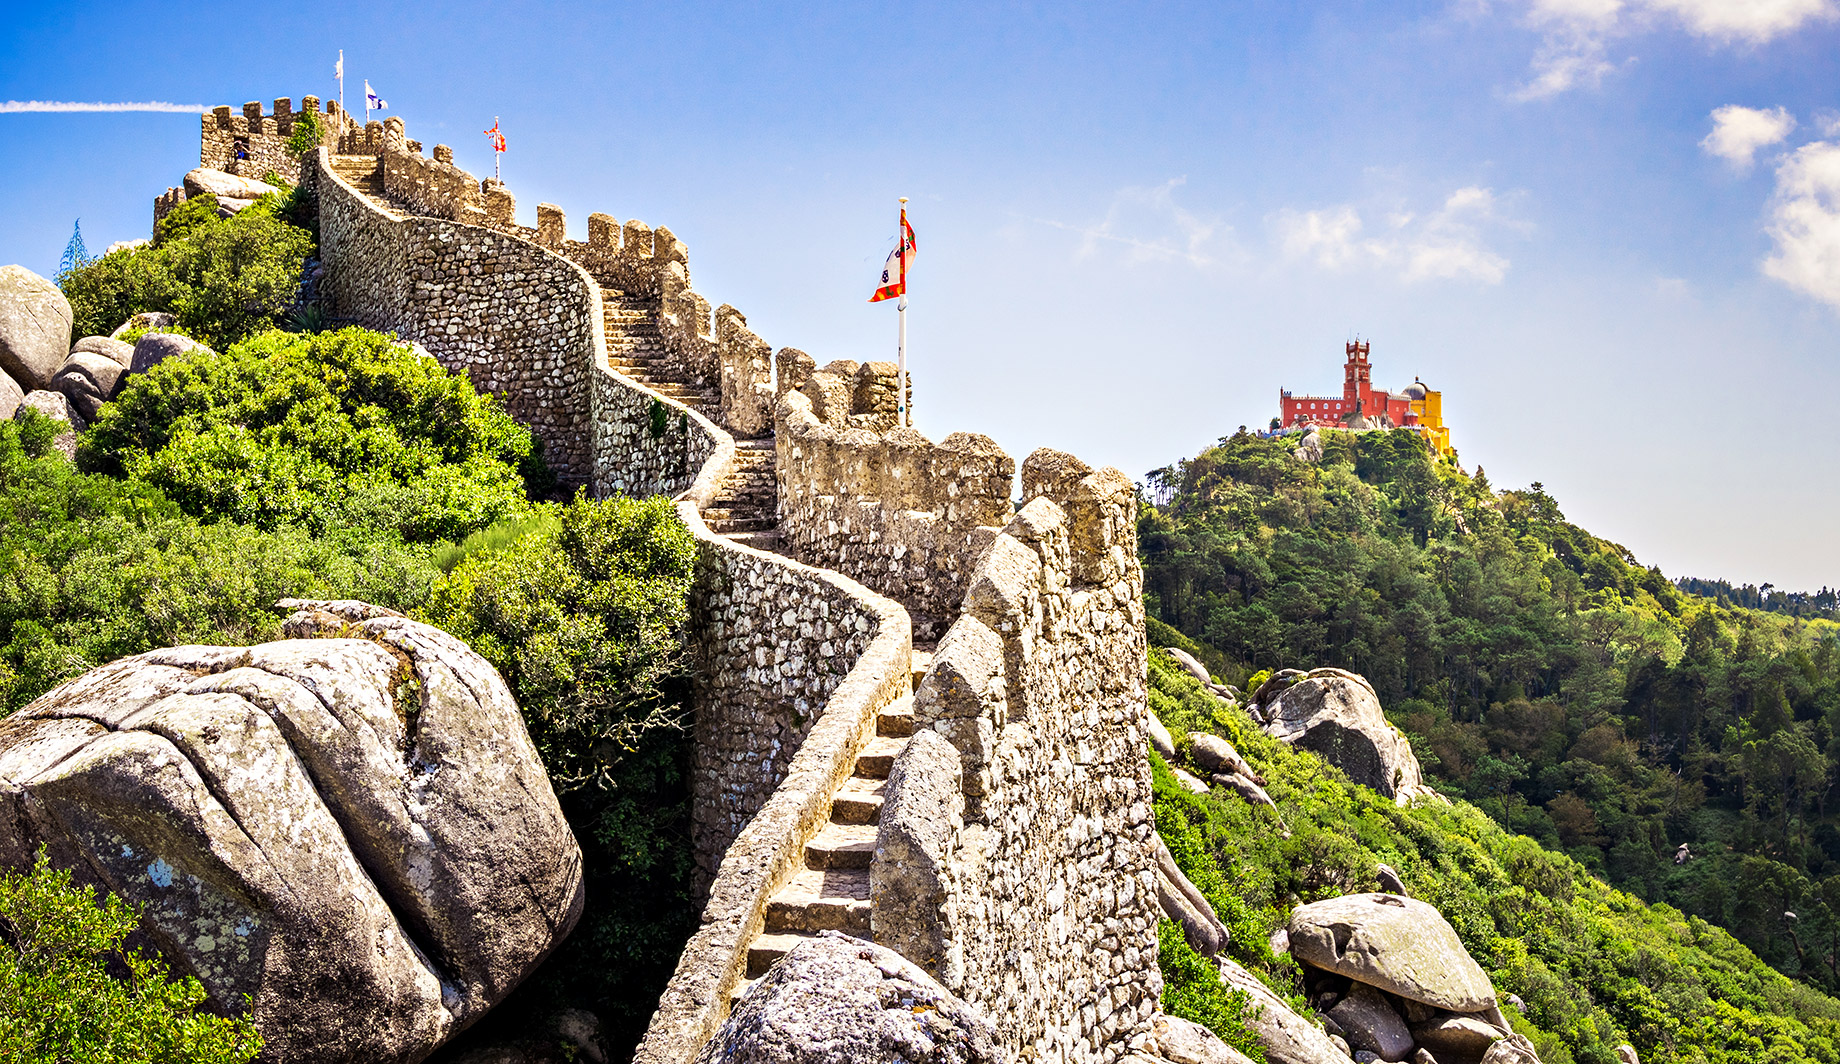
point(16, 106)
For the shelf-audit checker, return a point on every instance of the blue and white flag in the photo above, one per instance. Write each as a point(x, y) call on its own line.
point(373, 101)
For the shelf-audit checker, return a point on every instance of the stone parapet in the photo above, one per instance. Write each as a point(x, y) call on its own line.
point(800, 661)
point(1015, 859)
point(253, 144)
point(904, 515)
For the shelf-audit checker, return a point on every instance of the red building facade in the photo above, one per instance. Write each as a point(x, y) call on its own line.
point(1359, 397)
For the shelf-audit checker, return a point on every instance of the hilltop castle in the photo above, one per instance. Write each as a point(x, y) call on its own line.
point(1361, 405)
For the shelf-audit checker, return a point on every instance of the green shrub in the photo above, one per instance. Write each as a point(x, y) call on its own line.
point(583, 613)
point(309, 130)
point(224, 279)
point(93, 568)
point(62, 995)
point(1193, 991)
point(348, 429)
point(585, 622)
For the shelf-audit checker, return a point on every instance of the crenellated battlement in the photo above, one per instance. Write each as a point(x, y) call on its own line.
point(253, 144)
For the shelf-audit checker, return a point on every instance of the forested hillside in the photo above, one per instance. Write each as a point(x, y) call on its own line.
point(1593, 966)
point(1543, 673)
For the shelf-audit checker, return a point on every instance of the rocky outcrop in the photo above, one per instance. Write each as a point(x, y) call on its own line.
point(1287, 1037)
point(349, 826)
point(155, 348)
point(88, 380)
point(1390, 975)
point(834, 999)
point(1402, 946)
point(11, 395)
point(1185, 904)
point(233, 193)
point(34, 327)
point(1172, 1040)
point(1337, 716)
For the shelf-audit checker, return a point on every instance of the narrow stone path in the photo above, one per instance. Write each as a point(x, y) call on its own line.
point(831, 893)
point(746, 506)
point(635, 349)
point(364, 172)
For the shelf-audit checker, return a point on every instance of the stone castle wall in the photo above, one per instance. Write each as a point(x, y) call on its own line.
point(904, 515)
point(253, 144)
point(520, 322)
point(1015, 859)
point(1038, 847)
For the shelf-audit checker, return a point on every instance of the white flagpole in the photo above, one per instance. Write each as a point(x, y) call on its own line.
point(341, 80)
point(903, 416)
point(496, 154)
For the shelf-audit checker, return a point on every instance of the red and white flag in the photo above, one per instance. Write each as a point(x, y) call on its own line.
point(894, 272)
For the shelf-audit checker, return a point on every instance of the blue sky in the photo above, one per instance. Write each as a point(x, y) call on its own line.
point(1609, 230)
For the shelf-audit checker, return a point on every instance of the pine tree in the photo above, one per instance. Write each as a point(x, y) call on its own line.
point(76, 256)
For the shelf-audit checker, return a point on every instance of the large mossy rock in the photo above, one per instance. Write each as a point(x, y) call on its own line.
point(34, 327)
point(834, 999)
point(1337, 716)
point(1399, 945)
point(349, 826)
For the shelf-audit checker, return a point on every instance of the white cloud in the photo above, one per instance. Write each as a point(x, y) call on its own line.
point(1149, 222)
point(1448, 243)
point(1752, 21)
point(1576, 33)
point(1737, 132)
point(1805, 222)
point(21, 106)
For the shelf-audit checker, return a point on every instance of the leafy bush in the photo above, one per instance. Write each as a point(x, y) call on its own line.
point(1192, 990)
point(333, 430)
point(60, 999)
point(93, 569)
point(585, 622)
point(224, 279)
point(309, 130)
point(583, 613)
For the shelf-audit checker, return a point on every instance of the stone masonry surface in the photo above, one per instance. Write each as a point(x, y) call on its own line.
point(1031, 891)
point(904, 515)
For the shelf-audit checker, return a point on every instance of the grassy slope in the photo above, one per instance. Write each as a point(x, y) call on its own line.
point(1595, 966)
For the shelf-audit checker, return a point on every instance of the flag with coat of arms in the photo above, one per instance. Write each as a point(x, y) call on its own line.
point(894, 272)
point(372, 101)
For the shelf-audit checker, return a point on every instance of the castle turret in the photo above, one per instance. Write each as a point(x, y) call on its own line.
point(1356, 373)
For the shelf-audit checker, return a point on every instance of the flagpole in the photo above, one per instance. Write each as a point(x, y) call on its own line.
point(903, 416)
point(496, 154)
point(341, 80)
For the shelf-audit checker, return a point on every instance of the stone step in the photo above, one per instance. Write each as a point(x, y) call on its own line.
point(767, 541)
point(858, 801)
point(740, 991)
point(877, 757)
point(896, 720)
point(769, 948)
point(736, 525)
point(841, 846)
point(821, 900)
point(765, 443)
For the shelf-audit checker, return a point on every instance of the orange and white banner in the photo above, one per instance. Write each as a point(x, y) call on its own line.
point(894, 272)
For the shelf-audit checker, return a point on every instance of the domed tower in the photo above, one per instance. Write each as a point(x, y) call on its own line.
point(1356, 373)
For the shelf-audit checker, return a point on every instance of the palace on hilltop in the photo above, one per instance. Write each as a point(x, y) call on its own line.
point(1363, 406)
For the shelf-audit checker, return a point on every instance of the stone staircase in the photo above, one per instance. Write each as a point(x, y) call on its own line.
point(635, 349)
point(746, 506)
point(832, 891)
point(363, 172)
